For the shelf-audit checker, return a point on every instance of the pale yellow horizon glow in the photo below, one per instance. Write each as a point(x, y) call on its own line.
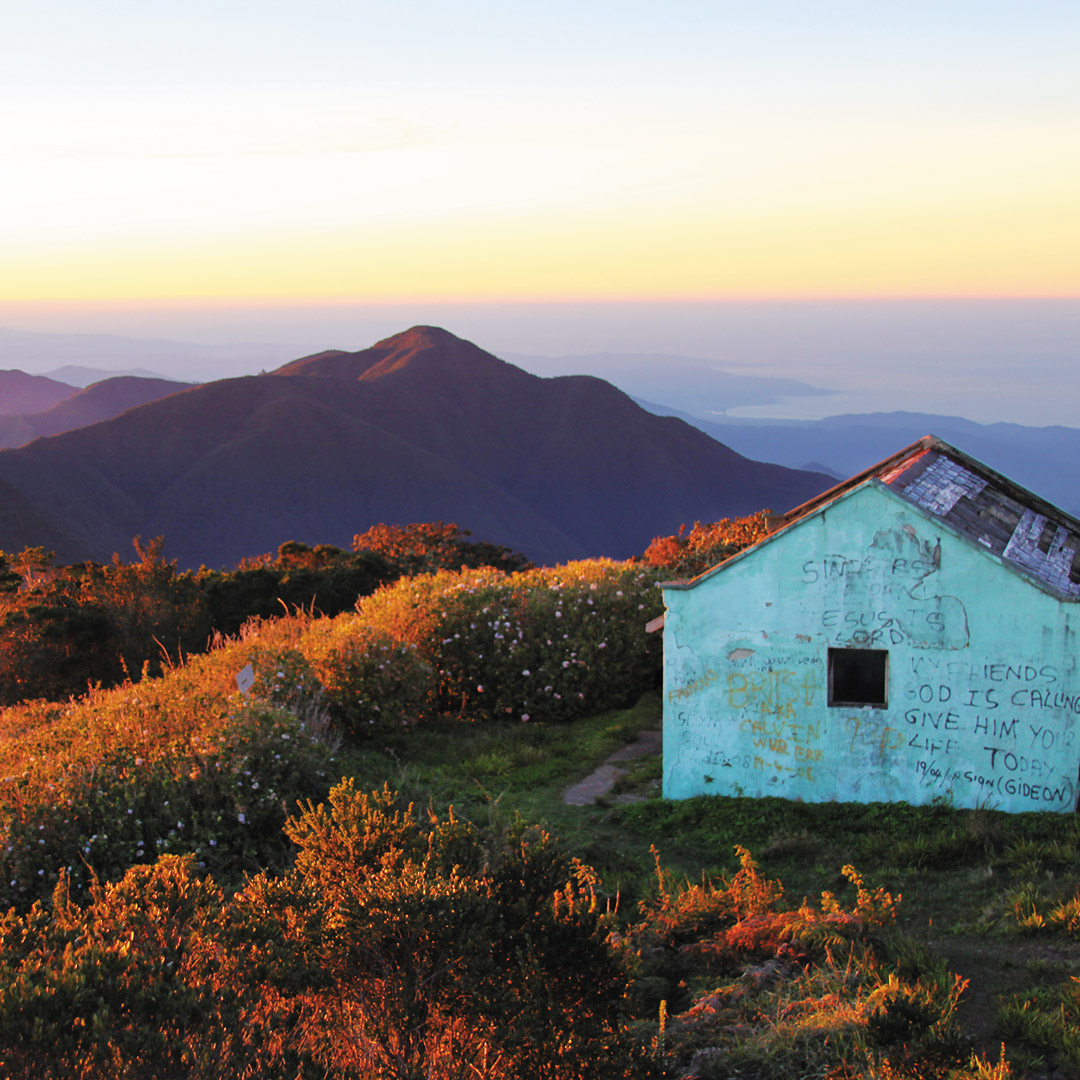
point(872, 165)
point(943, 251)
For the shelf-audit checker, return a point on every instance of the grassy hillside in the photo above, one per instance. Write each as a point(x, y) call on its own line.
point(337, 847)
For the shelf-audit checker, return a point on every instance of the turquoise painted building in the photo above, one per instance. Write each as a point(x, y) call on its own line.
point(909, 635)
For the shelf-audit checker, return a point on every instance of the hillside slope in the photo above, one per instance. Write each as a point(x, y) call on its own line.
point(100, 401)
point(1043, 459)
point(22, 393)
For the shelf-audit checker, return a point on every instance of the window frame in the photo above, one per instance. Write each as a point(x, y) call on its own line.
point(848, 655)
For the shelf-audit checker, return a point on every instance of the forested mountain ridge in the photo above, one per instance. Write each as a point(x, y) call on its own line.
point(422, 426)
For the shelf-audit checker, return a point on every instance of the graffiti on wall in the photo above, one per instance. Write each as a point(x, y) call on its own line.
point(747, 708)
point(994, 726)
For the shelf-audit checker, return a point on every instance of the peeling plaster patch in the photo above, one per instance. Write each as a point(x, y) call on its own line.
point(742, 654)
point(805, 638)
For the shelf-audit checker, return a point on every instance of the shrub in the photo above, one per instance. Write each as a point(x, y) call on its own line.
point(84, 624)
point(689, 554)
point(182, 763)
point(400, 945)
point(370, 682)
point(757, 987)
point(449, 947)
point(542, 645)
point(424, 548)
point(321, 579)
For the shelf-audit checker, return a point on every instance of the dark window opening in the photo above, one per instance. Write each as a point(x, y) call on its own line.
point(859, 677)
point(1046, 537)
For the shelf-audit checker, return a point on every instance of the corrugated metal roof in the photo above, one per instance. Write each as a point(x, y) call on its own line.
point(982, 505)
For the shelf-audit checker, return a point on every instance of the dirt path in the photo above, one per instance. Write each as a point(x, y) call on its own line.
point(996, 970)
point(600, 782)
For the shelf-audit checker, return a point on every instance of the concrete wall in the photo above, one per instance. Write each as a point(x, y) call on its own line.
point(983, 703)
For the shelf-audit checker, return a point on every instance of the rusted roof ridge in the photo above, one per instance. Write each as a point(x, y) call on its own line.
point(884, 466)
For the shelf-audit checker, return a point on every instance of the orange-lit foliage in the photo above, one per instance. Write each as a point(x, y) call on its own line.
point(425, 547)
point(400, 946)
point(746, 984)
point(64, 628)
point(67, 627)
point(406, 944)
point(693, 553)
point(183, 763)
point(107, 781)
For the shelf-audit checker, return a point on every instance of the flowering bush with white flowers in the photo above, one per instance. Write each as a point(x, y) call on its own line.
point(160, 768)
point(540, 645)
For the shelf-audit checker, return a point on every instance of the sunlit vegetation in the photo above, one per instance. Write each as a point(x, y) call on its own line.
point(188, 761)
point(690, 553)
point(333, 844)
point(63, 629)
point(425, 547)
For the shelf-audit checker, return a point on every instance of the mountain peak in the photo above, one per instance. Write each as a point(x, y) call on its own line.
point(425, 351)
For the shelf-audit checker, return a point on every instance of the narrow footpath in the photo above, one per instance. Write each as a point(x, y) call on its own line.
point(599, 783)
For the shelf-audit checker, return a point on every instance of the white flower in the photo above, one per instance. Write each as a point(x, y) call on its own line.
point(525, 718)
point(526, 673)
